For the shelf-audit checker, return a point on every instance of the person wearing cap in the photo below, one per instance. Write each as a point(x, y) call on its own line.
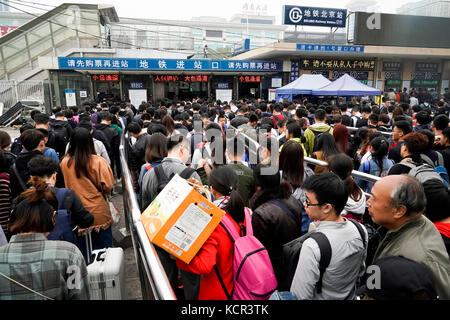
point(400, 279)
point(397, 203)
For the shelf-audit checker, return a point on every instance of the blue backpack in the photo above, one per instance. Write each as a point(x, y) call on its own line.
point(63, 227)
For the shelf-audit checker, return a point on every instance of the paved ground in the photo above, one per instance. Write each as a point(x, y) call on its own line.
point(133, 287)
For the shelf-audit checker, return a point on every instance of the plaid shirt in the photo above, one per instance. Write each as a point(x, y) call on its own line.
point(55, 269)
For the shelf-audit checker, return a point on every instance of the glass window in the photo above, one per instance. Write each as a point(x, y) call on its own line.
point(37, 33)
point(214, 33)
point(14, 46)
point(40, 47)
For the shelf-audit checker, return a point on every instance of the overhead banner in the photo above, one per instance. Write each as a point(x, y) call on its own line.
point(313, 16)
point(337, 64)
point(78, 63)
point(328, 48)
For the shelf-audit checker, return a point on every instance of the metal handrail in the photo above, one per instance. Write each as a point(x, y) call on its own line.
point(382, 132)
point(355, 173)
point(151, 271)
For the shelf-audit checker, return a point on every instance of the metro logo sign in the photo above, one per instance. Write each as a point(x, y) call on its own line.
point(313, 16)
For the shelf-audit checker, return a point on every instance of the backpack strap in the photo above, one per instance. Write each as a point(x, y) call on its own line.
point(19, 178)
point(187, 173)
point(160, 174)
point(96, 187)
point(229, 227)
point(248, 222)
point(60, 195)
point(410, 165)
point(222, 284)
point(325, 255)
point(361, 231)
point(367, 167)
point(286, 210)
point(440, 159)
point(427, 159)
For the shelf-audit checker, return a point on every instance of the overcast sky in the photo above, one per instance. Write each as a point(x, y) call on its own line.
point(185, 10)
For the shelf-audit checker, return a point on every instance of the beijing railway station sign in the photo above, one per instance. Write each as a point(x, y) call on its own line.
point(313, 16)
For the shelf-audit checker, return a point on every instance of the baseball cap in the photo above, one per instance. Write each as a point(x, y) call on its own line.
point(401, 279)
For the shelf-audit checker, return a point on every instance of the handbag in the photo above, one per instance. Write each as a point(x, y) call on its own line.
point(115, 213)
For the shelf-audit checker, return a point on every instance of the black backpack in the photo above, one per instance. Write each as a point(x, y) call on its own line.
point(317, 134)
point(163, 180)
point(60, 139)
point(291, 254)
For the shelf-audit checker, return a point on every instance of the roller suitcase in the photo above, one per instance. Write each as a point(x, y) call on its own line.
point(106, 272)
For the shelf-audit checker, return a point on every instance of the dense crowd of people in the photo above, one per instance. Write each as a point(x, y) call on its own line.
point(399, 220)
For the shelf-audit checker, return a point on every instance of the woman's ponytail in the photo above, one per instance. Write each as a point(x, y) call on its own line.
point(40, 190)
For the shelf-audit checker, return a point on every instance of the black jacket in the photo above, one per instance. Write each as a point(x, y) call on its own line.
point(59, 135)
point(112, 137)
point(99, 135)
point(137, 156)
point(22, 168)
point(273, 227)
point(361, 123)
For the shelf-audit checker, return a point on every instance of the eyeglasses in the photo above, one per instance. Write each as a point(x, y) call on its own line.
point(309, 204)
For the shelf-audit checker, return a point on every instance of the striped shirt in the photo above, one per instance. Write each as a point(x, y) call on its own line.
point(5, 201)
point(55, 269)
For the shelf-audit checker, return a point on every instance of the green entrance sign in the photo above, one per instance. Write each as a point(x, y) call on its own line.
point(393, 83)
point(424, 83)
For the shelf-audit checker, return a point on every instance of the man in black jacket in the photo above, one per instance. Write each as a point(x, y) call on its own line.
point(112, 137)
point(33, 142)
point(136, 157)
point(61, 130)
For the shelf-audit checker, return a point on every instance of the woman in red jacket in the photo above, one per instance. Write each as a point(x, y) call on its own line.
point(215, 258)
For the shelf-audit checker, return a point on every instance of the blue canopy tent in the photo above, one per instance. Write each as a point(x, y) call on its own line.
point(346, 86)
point(303, 85)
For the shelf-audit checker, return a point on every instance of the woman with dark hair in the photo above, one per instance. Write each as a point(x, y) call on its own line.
point(378, 164)
point(326, 148)
point(90, 176)
point(294, 171)
point(340, 134)
point(342, 165)
point(360, 145)
point(276, 218)
point(5, 144)
point(155, 152)
point(36, 267)
point(168, 122)
point(214, 261)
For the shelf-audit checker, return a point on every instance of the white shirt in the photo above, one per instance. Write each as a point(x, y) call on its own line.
point(346, 264)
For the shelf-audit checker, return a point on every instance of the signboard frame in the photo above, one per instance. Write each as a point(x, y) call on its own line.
point(314, 16)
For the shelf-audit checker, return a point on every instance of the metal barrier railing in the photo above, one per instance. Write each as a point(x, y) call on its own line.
point(382, 132)
point(154, 282)
point(254, 148)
